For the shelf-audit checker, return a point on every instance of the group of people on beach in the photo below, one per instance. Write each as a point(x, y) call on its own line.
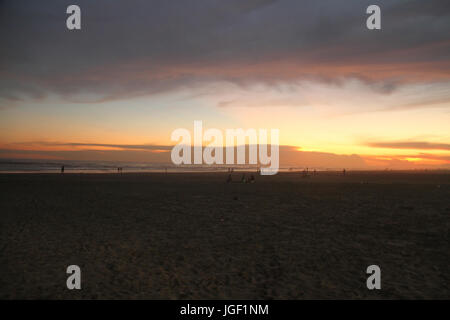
point(305, 172)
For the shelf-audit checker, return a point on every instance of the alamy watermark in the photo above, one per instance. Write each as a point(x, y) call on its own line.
point(74, 280)
point(374, 280)
point(213, 153)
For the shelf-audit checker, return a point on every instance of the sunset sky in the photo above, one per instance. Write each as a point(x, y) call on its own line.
point(340, 94)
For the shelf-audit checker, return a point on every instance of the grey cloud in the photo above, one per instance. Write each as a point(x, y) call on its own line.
point(131, 48)
point(410, 145)
point(142, 147)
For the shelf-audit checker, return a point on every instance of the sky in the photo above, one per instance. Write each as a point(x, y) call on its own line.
point(340, 94)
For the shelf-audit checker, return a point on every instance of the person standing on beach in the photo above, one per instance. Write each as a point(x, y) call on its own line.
point(62, 169)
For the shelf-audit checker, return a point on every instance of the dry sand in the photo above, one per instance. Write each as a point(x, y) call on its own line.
point(192, 236)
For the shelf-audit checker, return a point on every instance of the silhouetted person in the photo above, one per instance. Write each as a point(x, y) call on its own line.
point(62, 169)
point(343, 172)
point(229, 179)
point(252, 179)
point(243, 178)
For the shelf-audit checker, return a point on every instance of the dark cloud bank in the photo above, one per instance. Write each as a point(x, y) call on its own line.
point(132, 48)
point(417, 145)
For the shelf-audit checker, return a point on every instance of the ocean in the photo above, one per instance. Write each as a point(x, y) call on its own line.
point(77, 166)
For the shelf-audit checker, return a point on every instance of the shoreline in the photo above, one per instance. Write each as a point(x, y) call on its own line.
point(183, 171)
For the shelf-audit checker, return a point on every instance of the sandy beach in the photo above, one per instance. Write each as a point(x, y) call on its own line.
point(193, 236)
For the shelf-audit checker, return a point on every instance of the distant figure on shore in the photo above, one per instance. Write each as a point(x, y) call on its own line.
point(229, 179)
point(343, 172)
point(118, 170)
point(252, 179)
point(62, 169)
point(243, 180)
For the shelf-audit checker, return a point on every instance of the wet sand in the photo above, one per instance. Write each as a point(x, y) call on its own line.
point(192, 236)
